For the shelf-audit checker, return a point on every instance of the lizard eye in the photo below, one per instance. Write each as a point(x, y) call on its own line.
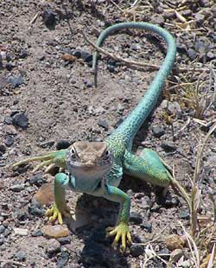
point(106, 154)
point(73, 153)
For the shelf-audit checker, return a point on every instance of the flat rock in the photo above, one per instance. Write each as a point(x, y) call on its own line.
point(55, 231)
point(21, 231)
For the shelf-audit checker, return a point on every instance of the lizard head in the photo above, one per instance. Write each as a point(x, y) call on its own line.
point(88, 161)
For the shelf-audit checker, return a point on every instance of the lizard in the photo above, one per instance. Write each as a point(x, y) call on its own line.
point(96, 168)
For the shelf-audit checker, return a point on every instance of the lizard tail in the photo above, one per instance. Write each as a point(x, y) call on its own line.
point(135, 119)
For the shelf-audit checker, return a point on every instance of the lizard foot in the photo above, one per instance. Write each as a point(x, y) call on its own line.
point(49, 160)
point(55, 214)
point(121, 231)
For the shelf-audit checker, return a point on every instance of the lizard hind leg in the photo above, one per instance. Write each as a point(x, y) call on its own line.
point(148, 166)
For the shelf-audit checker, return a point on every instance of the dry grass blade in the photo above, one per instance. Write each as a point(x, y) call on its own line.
point(210, 263)
point(193, 247)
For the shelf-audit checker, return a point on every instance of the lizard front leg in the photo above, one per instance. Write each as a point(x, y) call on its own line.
point(49, 160)
point(59, 208)
point(121, 230)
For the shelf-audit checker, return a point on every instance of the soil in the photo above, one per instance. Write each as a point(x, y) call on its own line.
point(48, 101)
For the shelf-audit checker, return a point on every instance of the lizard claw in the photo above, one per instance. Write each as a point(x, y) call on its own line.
point(121, 231)
point(55, 214)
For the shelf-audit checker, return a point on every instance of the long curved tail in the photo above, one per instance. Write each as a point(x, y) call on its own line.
point(135, 119)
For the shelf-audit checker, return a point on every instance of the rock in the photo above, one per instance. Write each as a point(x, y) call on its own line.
point(63, 259)
point(184, 214)
point(20, 256)
point(62, 144)
point(17, 188)
point(174, 108)
point(164, 253)
point(37, 233)
point(35, 211)
point(191, 53)
point(158, 131)
point(86, 56)
point(48, 18)
point(20, 120)
point(24, 53)
point(36, 180)
point(45, 196)
point(103, 124)
point(55, 231)
point(2, 149)
point(64, 240)
point(136, 218)
point(8, 120)
point(174, 241)
point(9, 66)
point(199, 18)
point(136, 250)
point(157, 19)
point(176, 255)
point(16, 81)
point(168, 146)
point(21, 231)
point(9, 141)
point(47, 144)
point(2, 229)
point(2, 240)
point(147, 226)
point(53, 247)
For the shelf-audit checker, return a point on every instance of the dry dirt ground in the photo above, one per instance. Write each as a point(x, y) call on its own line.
point(48, 101)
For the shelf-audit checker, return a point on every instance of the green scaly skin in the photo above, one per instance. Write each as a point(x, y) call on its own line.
point(148, 166)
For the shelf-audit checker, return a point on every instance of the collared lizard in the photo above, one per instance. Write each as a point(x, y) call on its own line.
point(97, 168)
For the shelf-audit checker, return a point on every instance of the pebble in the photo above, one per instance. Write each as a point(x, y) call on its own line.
point(24, 53)
point(174, 241)
point(36, 180)
point(136, 250)
point(17, 188)
point(55, 231)
point(8, 120)
point(37, 233)
point(2, 241)
point(35, 211)
point(158, 131)
point(2, 148)
point(164, 253)
point(184, 214)
point(147, 227)
point(9, 140)
point(9, 66)
point(53, 247)
point(48, 18)
point(62, 144)
point(2, 229)
point(176, 254)
point(136, 218)
point(20, 120)
point(16, 81)
point(168, 146)
point(20, 256)
point(64, 240)
point(103, 124)
point(21, 231)
point(63, 259)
